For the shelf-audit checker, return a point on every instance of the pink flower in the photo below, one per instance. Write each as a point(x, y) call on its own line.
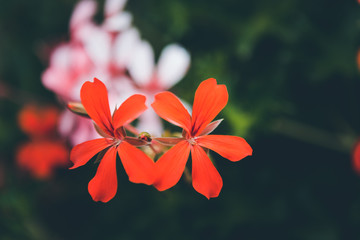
point(109, 50)
point(93, 50)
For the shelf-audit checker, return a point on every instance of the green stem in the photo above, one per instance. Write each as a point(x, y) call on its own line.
point(339, 142)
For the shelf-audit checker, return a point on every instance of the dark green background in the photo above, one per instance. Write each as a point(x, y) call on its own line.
point(290, 68)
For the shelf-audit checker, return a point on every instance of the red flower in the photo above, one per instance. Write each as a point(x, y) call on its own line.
point(38, 121)
point(356, 157)
point(40, 158)
point(210, 99)
point(138, 166)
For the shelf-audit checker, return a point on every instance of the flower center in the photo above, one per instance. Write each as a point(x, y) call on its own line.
point(192, 141)
point(116, 142)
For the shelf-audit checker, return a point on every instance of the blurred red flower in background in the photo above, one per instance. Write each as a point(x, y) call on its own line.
point(356, 157)
point(43, 152)
point(41, 157)
point(138, 166)
point(38, 121)
point(210, 99)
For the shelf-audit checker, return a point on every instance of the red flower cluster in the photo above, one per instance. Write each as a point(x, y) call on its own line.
point(42, 154)
point(210, 99)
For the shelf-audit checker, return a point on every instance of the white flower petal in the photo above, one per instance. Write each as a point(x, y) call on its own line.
point(82, 13)
point(141, 66)
point(98, 46)
point(173, 64)
point(83, 32)
point(118, 22)
point(124, 47)
point(61, 56)
point(113, 6)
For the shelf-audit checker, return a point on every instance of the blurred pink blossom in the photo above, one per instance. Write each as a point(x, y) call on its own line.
point(108, 50)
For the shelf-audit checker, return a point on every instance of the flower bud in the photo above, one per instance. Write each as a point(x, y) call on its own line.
point(77, 108)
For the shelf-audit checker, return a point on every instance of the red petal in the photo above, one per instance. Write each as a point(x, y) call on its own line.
point(210, 99)
point(83, 152)
point(129, 110)
point(103, 186)
point(170, 108)
point(171, 165)
point(230, 147)
point(206, 179)
point(94, 98)
point(138, 166)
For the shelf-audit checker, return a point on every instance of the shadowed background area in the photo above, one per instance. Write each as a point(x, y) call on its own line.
point(291, 72)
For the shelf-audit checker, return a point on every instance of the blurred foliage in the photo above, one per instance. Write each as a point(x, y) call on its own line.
point(282, 59)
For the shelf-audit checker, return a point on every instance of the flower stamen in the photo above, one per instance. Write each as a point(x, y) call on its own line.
point(192, 141)
point(117, 141)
